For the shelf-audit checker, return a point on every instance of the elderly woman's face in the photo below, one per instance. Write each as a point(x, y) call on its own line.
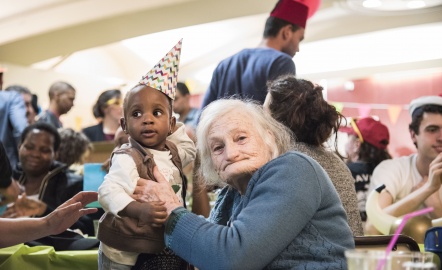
point(236, 148)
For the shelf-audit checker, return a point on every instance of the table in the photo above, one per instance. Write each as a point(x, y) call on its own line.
point(45, 257)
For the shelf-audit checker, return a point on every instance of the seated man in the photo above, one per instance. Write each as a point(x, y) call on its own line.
point(414, 181)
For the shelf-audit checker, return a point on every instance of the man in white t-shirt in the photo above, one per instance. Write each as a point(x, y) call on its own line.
point(414, 181)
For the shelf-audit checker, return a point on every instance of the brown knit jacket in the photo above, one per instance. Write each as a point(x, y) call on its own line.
point(128, 234)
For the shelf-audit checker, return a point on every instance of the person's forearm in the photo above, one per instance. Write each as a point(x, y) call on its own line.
point(132, 210)
point(410, 203)
point(16, 231)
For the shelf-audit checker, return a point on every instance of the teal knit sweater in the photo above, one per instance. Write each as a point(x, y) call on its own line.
point(290, 218)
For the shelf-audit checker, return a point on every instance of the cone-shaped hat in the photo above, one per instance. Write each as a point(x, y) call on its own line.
point(164, 75)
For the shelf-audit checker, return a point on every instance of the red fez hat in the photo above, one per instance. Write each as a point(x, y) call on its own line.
point(291, 11)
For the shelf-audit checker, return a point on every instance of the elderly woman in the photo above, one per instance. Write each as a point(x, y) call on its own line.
point(286, 213)
point(300, 106)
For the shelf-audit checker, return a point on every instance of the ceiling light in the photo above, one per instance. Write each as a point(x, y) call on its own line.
point(371, 3)
point(389, 6)
point(415, 4)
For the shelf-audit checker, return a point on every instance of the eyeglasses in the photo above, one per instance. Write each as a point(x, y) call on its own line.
point(115, 101)
point(356, 129)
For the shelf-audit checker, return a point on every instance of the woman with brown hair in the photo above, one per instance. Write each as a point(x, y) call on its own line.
point(366, 148)
point(108, 110)
point(299, 105)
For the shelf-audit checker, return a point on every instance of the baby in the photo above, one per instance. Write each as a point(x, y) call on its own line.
point(129, 227)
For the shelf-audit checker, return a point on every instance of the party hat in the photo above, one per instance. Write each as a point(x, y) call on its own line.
point(164, 75)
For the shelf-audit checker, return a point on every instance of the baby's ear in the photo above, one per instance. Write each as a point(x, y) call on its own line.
point(173, 126)
point(123, 124)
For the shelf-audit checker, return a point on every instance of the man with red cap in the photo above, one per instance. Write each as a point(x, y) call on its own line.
point(366, 148)
point(413, 182)
point(246, 73)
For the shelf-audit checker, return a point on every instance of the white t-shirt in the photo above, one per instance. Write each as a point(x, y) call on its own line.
point(399, 175)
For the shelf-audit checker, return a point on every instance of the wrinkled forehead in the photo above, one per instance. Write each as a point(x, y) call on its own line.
point(231, 122)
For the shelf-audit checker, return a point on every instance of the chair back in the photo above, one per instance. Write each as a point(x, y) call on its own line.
point(380, 242)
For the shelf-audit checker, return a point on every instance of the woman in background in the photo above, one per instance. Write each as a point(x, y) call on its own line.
point(366, 148)
point(300, 106)
point(108, 110)
point(46, 182)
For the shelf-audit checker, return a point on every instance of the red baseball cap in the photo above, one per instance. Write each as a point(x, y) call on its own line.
point(291, 11)
point(369, 130)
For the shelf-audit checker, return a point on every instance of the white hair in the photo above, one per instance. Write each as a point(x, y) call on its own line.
point(277, 137)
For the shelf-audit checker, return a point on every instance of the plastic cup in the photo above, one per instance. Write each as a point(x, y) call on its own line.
point(411, 260)
point(360, 259)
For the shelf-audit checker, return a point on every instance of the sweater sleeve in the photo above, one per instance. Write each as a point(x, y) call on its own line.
point(114, 193)
point(17, 117)
point(185, 145)
point(281, 199)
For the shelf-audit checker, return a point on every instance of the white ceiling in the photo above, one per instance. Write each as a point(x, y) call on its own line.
point(120, 40)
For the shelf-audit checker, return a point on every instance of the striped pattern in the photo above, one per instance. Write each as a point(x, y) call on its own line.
point(164, 75)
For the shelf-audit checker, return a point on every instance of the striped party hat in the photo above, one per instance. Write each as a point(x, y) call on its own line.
point(164, 75)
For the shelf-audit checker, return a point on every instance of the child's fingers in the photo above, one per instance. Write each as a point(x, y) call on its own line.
point(158, 222)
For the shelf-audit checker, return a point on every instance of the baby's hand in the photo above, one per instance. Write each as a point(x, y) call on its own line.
point(153, 213)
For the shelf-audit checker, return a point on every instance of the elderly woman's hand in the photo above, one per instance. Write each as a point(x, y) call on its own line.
point(148, 191)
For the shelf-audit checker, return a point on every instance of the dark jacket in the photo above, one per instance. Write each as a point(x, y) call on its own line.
point(5, 168)
point(129, 234)
point(95, 133)
point(58, 186)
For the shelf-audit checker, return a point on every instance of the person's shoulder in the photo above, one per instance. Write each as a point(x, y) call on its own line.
point(92, 128)
point(10, 97)
point(94, 133)
point(9, 94)
point(398, 161)
point(12, 94)
point(294, 157)
point(44, 116)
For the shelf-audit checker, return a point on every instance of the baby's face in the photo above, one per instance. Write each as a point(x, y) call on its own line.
point(148, 117)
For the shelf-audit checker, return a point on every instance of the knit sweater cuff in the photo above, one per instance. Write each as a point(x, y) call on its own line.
point(171, 223)
point(181, 227)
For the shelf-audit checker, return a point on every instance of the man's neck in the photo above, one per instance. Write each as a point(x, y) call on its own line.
point(422, 165)
point(53, 109)
point(270, 43)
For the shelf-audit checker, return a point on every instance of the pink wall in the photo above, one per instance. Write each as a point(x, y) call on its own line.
point(381, 95)
point(384, 94)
